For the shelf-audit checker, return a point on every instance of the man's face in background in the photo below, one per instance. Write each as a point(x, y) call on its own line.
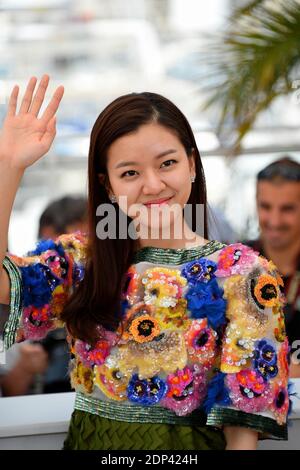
point(278, 208)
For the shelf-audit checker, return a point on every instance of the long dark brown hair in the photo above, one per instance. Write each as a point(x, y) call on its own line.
point(97, 299)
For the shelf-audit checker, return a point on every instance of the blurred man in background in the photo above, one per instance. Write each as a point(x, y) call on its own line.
point(43, 367)
point(23, 363)
point(278, 209)
point(65, 215)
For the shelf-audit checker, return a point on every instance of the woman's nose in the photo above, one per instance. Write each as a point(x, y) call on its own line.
point(152, 184)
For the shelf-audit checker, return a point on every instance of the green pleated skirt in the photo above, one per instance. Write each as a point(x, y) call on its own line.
point(89, 431)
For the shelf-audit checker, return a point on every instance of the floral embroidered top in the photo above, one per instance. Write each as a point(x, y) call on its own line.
point(203, 331)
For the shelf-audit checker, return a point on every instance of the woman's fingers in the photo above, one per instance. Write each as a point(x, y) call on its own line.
point(34, 105)
point(53, 105)
point(49, 135)
point(26, 102)
point(12, 103)
point(39, 96)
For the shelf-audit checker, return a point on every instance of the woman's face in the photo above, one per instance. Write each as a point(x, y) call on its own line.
point(150, 165)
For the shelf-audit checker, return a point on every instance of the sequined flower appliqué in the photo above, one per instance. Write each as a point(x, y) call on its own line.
point(186, 391)
point(205, 300)
point(235, 259)
point(132, 286)
point(163, 286)
point(144, 328)
point(265, 291)
point(146, 392)
point(173, 317)
point(166, 353)
point(95, 355)
point(139, 324)
point(38, 284)
point(249, 391)
point(82, 377)
point(265, 359)
point(111, 382)
point(37, 322)
point(281, 403)
point(201, 343)
point(201, 270)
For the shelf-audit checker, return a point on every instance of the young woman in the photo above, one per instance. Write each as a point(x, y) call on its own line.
point(177, 342)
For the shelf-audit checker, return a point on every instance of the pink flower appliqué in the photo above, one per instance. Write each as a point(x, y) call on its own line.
point(248, 391)
point(186, 390)
point(201, 343)
point(235, 259)
point(91, 356)
point(280, 404)
point(132, 286)
point(56, 263)
point(37, 322)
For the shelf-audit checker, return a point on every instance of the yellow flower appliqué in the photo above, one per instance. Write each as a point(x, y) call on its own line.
point(163, 286)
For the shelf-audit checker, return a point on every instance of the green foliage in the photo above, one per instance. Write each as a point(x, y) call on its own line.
point(254, 61)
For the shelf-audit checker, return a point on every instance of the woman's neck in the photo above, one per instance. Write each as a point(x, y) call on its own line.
point(188, 240)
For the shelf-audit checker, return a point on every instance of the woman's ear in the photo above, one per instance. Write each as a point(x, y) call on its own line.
point(192, 162)
point(101, 178)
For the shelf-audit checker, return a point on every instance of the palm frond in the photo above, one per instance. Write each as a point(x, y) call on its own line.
point(252, 63)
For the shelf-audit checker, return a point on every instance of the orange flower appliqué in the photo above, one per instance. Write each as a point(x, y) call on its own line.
point(144, 328)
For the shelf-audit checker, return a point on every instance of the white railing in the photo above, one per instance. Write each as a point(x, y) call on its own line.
point(41, 422)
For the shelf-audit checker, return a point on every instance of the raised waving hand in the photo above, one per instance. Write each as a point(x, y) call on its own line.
point(25, 137)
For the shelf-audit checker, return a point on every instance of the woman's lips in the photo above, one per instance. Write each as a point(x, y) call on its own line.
point(158, 202)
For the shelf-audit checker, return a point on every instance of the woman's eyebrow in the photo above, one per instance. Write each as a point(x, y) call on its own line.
point(163, 154)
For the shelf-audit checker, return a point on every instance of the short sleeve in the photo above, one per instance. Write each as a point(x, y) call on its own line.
point(40, 284)
point(250, 388)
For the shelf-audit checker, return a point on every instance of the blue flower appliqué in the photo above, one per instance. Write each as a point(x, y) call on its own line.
point(124, 306)
point(45, 245)
point(201, 270)
point(265, 359)
point(205, 300)
point(38, 285)
point(78, 273)
point(147, 391)
point(217, 393)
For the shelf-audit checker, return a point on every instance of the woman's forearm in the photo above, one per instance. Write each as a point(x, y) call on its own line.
point(10, 179)
point(238, 438)
point(24, 139)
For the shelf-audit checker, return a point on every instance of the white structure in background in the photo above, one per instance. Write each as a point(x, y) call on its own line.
point(188, 16)
point(33, 4)
point(111, 8)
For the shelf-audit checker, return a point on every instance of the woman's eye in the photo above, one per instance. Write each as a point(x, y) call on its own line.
point(126, 173)
point(129, 173)
point(168, 161)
